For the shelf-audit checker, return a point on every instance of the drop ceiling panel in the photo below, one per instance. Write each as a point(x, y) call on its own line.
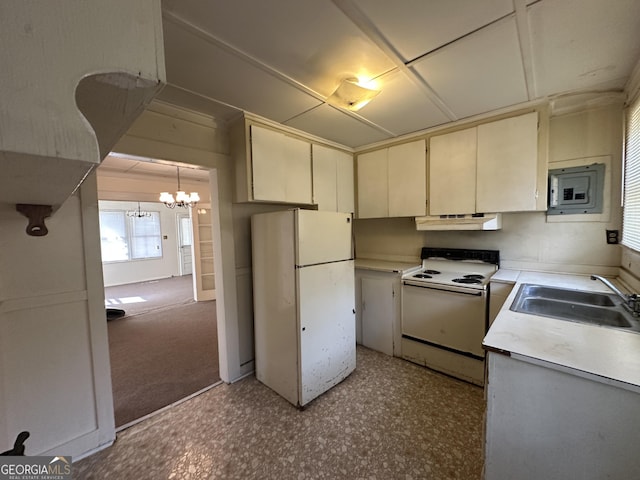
point(177, 96)
point(312, 42)
point(197, 65)
point(330, 123)
point(416, 27)
point(130, 166)
point(581, 44)
point(402, 107)
point(479, 73)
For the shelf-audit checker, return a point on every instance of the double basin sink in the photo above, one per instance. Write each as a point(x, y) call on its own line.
point(603, 309)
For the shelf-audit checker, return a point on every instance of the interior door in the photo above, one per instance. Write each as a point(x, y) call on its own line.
point(185, 244)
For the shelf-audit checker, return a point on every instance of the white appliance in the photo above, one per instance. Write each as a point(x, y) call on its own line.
point(304, 301)
point(445, 311)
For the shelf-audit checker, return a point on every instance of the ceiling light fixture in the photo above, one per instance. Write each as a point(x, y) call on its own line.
point(181, 199)
point(352, 94)
point(138, 213)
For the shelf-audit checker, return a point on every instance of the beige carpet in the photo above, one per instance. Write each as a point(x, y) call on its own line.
point(163, 349)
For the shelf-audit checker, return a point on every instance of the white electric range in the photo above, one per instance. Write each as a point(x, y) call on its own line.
point(445, 311)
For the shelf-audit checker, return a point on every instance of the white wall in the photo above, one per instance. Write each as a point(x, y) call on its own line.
point(119, 273)
point(528, 240)
point(54, 362)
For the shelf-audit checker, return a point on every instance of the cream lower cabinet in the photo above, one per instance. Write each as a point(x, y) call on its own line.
point(545, 421)
point(333, 187)
point(271, 166)
point(392, 181)
point(378, 311)
point(494, 167)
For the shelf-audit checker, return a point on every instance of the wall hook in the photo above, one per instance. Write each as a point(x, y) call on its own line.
point(36, 215)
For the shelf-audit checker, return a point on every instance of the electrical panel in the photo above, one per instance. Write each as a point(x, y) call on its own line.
point(576, 190)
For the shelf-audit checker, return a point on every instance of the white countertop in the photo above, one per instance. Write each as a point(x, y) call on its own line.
point(386, 265)
point(597, 351)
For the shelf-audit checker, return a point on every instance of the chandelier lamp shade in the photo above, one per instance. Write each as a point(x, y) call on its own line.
point(181, 199)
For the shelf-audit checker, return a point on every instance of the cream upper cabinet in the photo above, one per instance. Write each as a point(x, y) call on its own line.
point(452, 172)
point(281, 167)
point(508, 165)
point(373, 184)
point(392, 181)
point(408, 179)
point(332, 179)
point(491, 168)
point(271, 166)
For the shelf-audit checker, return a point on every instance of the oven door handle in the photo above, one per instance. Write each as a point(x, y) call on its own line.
point(474, 293)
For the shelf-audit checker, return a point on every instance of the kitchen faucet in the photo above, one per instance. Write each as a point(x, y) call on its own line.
point(631, 302)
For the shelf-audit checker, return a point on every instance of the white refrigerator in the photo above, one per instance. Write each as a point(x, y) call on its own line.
point(304, 301)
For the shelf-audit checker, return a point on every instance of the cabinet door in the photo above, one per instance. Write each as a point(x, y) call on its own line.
point(373, 184)
point(344, 182)
point(267, 165)
point(508, 165)
point(377, 314)
point(280, 167)
point(325, 189)
point(407, 179)
point(332, 179)
point(296, 156)
point(452, 172)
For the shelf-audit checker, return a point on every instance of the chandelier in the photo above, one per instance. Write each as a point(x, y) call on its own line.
point(138, 213)
point(181, 199)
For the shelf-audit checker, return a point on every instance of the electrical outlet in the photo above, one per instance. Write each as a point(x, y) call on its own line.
point(612, 236)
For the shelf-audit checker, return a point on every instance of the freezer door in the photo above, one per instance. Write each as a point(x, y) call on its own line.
point(327, 326)
point(322, 237)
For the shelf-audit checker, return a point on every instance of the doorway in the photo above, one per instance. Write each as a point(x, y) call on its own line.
point(165, 348)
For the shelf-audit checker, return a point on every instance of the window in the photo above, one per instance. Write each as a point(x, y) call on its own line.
point(126, 238)
point(631, 215)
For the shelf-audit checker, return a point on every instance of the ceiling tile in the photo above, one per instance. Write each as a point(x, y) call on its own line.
point(330, 123)
point(402, 107)
point(310, 41)
point(192, 101)
point(581, 44)
point(198, 65)
point(416, 27)
point(122, 164)
point(479, 73)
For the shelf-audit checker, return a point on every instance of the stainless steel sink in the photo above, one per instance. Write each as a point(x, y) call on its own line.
point(575, 305)
point(566, 295)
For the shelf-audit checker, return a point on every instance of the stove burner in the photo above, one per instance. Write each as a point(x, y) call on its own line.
point(422, 275)
point(432, 272)
point(467, 280)
point(477, 276)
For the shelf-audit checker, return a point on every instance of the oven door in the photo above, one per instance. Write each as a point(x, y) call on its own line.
point(453, 318)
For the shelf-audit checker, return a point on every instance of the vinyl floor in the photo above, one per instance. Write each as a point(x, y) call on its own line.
point(390, 419)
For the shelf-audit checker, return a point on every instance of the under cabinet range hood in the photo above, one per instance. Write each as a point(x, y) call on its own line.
point(476, 221)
